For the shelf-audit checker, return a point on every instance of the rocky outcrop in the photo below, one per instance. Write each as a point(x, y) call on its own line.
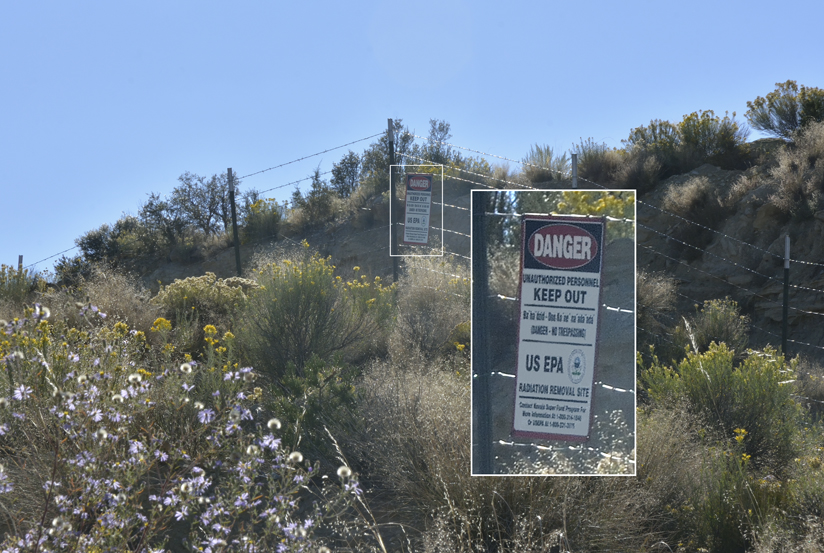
point(743, 255)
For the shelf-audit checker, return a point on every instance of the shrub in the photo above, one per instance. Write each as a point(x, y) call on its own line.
point(262, 221)
point(717, 321)
point(799, 175)
point(117, 458)
point(639, 169)
point(786, 109)
point(416, 444)
point(660, 139)
point(705, 137)
point(542, 165)
point(72, 271)
point(433, 299)
point(742, 186)
point(17, 285)
point(322, 400)
point(655, 307)
point(122, 297)
point(597, 162)
point(699, 138)
point(751, 396)
point(696, 200)
point(194, 301)
point(667, 438)
point(303, 309)
point(810, 386)
point(214, 297)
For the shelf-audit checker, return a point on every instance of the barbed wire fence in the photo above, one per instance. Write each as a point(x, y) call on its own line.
point(491, 182)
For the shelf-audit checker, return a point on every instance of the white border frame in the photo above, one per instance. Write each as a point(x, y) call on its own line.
point(635, 336)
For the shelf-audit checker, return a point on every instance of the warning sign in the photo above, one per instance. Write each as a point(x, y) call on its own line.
point(418, 206)
point(560, 294)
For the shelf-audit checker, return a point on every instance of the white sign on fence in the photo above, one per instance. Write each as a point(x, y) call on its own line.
point(418, 207)
point(560, 295)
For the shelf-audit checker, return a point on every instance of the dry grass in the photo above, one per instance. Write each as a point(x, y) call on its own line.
point(433, 300)
point(655, 313)
point(745, 184)
point(597, 162)
point(638, 170)
point(810, 386)
point(416, 450)
point(121, 296)
point(799, 177)
point(696, 199)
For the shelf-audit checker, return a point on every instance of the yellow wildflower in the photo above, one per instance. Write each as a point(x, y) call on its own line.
point(161, 325)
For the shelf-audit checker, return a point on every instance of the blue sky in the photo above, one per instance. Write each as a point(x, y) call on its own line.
point(105, 102)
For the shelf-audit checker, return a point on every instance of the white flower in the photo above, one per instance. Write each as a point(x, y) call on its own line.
point(186, 368)
point(344, 472)
point(273, 424)
point(296, 457)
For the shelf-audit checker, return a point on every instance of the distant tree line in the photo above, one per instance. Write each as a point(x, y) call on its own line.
point(196, 215)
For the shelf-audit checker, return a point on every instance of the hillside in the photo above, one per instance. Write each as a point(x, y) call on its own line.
point(229, 406)
point(738, 250)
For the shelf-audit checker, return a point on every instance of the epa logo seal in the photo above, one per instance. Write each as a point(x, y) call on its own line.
point(577, 366)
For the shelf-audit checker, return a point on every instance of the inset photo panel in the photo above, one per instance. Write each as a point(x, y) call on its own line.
point(553, 332)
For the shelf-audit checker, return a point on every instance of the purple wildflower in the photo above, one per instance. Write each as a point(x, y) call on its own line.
point(206, 416)
point(22, 392)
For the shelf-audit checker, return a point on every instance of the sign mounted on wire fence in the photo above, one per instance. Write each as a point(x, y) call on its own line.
point(418, 207)
point(560, 295)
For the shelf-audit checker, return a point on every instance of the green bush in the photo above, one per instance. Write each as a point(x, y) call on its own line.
point(16, 286)
point(717, 321)
point(786, 109)
point(701, 137)
point(216, 298)
point(706, 138)
point(314, 208)
point(660, 139)
point(72, 271)
point(753, 396)
point(302, 309)
point(321, 399)
point(262, 221)
point(192, 302)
